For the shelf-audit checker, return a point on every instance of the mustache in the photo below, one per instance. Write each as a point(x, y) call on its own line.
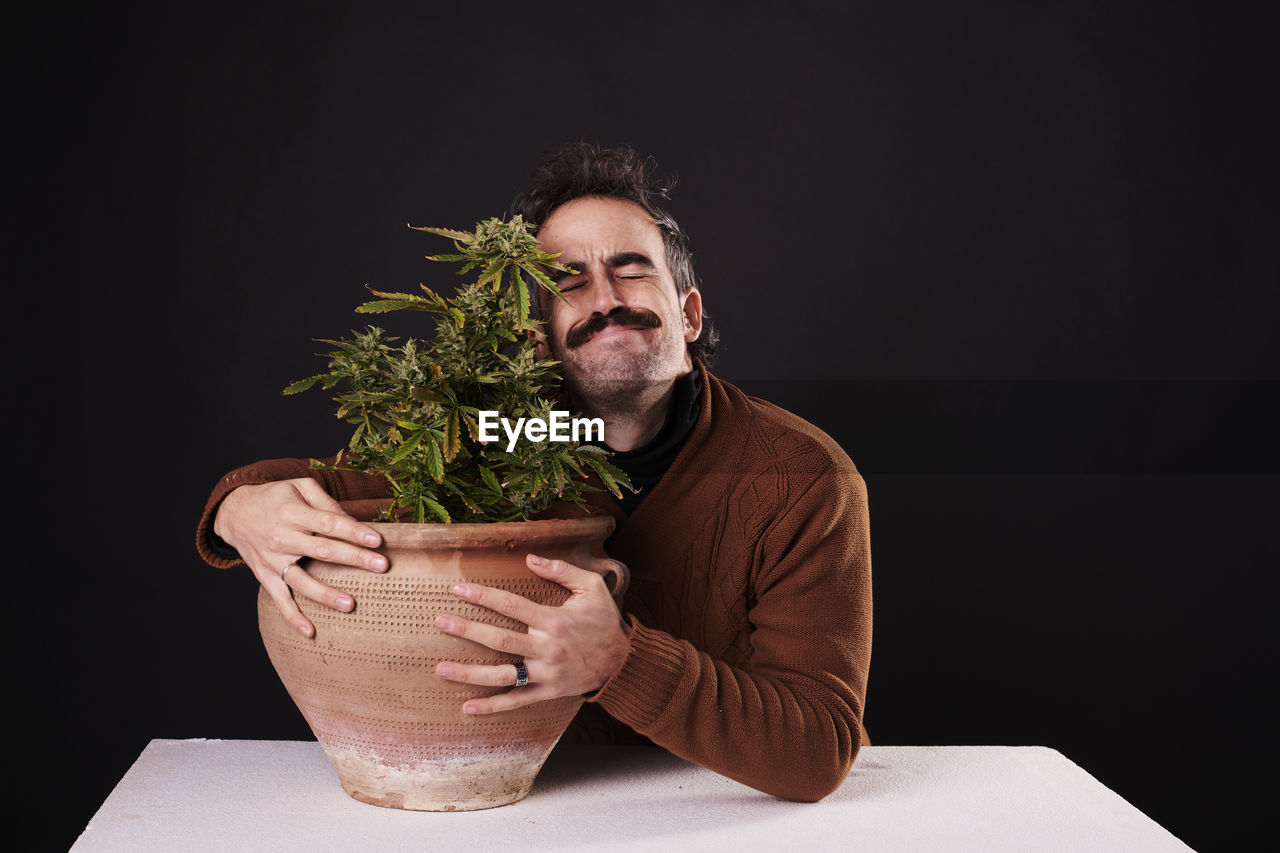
point(620, 316)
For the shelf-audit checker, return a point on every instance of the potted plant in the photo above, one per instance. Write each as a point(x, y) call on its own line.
point(464, 501)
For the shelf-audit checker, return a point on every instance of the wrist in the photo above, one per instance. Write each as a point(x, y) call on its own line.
point(619, 649)
point(220, 526)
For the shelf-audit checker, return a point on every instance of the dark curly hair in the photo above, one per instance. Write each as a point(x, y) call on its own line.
point(585, 169)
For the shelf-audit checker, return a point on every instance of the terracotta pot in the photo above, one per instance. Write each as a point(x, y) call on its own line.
point(366, 682)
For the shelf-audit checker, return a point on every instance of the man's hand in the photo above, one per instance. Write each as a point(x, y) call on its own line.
point(569, 650)
point(276, 524)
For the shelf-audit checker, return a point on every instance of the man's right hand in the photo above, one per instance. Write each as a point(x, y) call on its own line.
point(279, 523)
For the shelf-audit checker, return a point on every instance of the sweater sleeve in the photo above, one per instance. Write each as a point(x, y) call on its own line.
point(788, 721)
point(342, 485)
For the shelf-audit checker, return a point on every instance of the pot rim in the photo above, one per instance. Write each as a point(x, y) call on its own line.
point(480, 534)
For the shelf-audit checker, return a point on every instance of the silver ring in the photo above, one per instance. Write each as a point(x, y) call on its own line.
point(285, 570)
point(522, 674)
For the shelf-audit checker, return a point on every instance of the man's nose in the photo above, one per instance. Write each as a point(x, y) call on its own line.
point(605, 295)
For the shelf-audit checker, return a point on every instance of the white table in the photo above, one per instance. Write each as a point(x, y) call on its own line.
point(194, 795)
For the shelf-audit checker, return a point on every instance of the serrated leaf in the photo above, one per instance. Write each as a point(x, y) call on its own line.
point(490, 480)
point(303, 384)
point(383, 306)
point(452, 438)
point(435, 464)
point(573, 465)
point(522, 299)
point(408, 447)
point(557, 477)
point(439, 511)
point(355, 436)
point(543, 280)
point(425, 395)
point(464, 236)
point(397, 295)
point(602, 471)
point(471, 505)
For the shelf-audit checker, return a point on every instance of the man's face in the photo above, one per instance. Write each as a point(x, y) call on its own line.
point(624, 328)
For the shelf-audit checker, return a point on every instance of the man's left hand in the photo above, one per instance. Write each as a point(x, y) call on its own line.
point(568, 651)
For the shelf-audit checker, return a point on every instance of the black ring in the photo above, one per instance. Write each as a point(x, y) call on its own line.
point(522, 674)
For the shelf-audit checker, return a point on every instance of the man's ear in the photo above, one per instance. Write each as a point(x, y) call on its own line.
point(542, 350)
point(692, 309)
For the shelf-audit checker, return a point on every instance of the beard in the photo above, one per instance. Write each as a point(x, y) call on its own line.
point(615, 373)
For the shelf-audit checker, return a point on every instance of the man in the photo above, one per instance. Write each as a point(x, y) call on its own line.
point(744, 640)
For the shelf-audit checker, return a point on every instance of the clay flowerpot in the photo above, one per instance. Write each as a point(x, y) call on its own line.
point(366, 682)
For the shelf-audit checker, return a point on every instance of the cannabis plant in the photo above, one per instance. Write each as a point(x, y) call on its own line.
point(415, 406)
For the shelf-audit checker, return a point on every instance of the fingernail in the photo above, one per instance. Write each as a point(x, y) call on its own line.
point(371, 539)
point(380, 563)
point(468, 709)
point(444, 670)
point(344, 602)
point(444, 623)
point(460, 589)
point(536, 560)
point(307, 630)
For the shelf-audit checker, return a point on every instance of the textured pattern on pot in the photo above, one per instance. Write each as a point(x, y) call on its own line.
point(366, 682)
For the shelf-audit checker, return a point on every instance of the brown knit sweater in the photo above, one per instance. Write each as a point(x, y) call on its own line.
point(750, 599)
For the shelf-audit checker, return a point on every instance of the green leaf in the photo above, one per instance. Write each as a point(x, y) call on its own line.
point(425, 395)
point(464, 236)
point(355, 436)
point(452, 438)
point(602, 470)
point(470, 504)
point(435, 464)
point(557, 477)
point(522, 299)
point(437, 509)
point(303, 384)
point(408, 447)
point(542, 279)
point(383, 306)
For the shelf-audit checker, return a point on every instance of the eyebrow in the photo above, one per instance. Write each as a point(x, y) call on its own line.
point(622, 259)
point(626, 259)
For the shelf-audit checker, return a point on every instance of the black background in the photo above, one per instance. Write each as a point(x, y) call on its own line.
point(1019, 259)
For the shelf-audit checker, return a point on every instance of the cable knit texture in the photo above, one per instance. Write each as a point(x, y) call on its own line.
point(750, 599)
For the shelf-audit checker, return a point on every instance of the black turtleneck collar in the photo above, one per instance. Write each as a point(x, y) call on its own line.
point(645, 465)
